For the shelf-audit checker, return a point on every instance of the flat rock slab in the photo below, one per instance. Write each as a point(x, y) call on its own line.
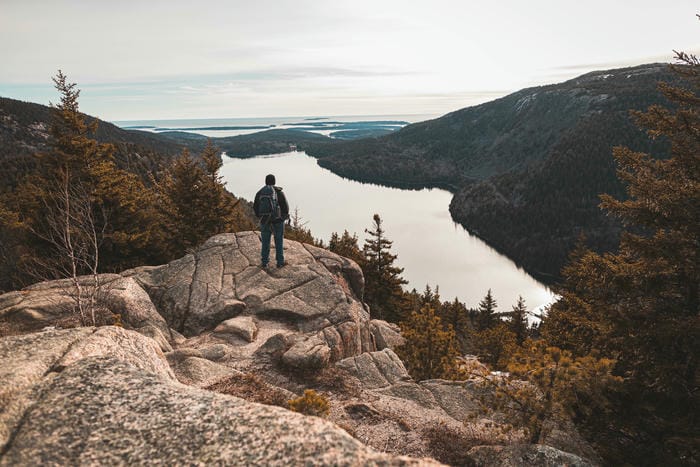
point(28, 359)
point(102, 411)
point(221, 287)
point(525, 456)
point(46, 302)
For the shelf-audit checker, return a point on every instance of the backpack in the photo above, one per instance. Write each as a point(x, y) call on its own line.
point(269, 208)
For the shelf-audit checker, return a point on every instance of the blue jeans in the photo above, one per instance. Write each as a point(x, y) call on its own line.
point(266, 231)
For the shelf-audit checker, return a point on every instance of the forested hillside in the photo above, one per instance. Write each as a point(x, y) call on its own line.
point(526, 169)
point(24, 131)
point(82, 196)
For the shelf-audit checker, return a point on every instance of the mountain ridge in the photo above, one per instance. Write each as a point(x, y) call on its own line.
point(525, 169)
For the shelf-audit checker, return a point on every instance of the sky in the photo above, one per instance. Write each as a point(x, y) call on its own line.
point(136, 60)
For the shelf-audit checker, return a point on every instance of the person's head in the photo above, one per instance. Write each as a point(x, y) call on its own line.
point(270, 180)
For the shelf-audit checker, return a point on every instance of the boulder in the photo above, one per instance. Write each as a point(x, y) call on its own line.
point(28, 359)
point(275, 346)
point(51, 302)
point(125, 296)
point(342, 267)
point(129, 346)
point(127, 416)
point(308, 354)
point(524, 455)
point(459, 399)
point(156, 334)
point(199, 372)
point(376, 369)
point(221, 288)
point(241, 326)
point(386, 335)
point(215, 351)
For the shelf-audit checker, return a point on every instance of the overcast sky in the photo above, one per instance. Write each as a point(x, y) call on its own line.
point(255, 58)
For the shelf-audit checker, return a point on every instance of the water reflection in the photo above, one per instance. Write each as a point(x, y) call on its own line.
point(430, 246)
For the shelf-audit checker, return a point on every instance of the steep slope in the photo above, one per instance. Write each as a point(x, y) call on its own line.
point(527, 168)
point(24, 131)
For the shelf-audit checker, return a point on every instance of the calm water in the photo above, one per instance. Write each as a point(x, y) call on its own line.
point(203, 126)
point(430, 246)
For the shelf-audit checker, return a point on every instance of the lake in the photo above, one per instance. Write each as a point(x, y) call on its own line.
point(431, 248)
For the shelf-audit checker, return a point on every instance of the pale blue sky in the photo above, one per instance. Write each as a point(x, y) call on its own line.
point(177, 59)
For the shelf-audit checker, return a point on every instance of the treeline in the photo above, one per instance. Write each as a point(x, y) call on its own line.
point(76, 209)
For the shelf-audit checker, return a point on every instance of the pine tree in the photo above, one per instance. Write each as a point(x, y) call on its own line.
point(431, 298)
point(195, 198)
point(456, 315)
point(430, 350)
point(640, 306)
point(494, 345)
point(546, 386)
point(486, 316)
point(383, 281)
point(517, 321)
point(347, 245)
point(220, 216)
point(78, 172)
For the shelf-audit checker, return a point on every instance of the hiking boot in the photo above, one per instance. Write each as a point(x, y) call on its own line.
point(281, 265)
point(263, 266)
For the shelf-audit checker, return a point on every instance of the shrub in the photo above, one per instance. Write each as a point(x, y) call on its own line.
point(311, 403)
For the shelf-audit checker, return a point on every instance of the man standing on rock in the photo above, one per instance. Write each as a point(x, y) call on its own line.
point(271, 207)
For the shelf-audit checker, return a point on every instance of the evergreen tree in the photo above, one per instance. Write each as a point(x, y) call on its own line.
point(79, 172)
point(640, 305)
point(198, 205)
point(546, 386)
point(431, 298)
point(430, 350)
point(347, 245)
point(517, 321)
point(413, 301)
point(455, 314)
point(494, 345)
point(182, 189)
point(383, 281)
point(220, 217)
point(296, 230)
point(486, 315)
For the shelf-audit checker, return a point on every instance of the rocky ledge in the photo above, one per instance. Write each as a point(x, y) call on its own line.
point(211, 326)
point(106, 396)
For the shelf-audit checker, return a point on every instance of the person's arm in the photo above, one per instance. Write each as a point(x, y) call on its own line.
point(256, 204)
point(284, 206)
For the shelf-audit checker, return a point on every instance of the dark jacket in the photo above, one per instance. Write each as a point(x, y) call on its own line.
point(281, 199)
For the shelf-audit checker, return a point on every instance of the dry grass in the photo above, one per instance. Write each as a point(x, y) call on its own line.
point(251, 388)
point(16, 327)
point(450, 445)
point(330, 379)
